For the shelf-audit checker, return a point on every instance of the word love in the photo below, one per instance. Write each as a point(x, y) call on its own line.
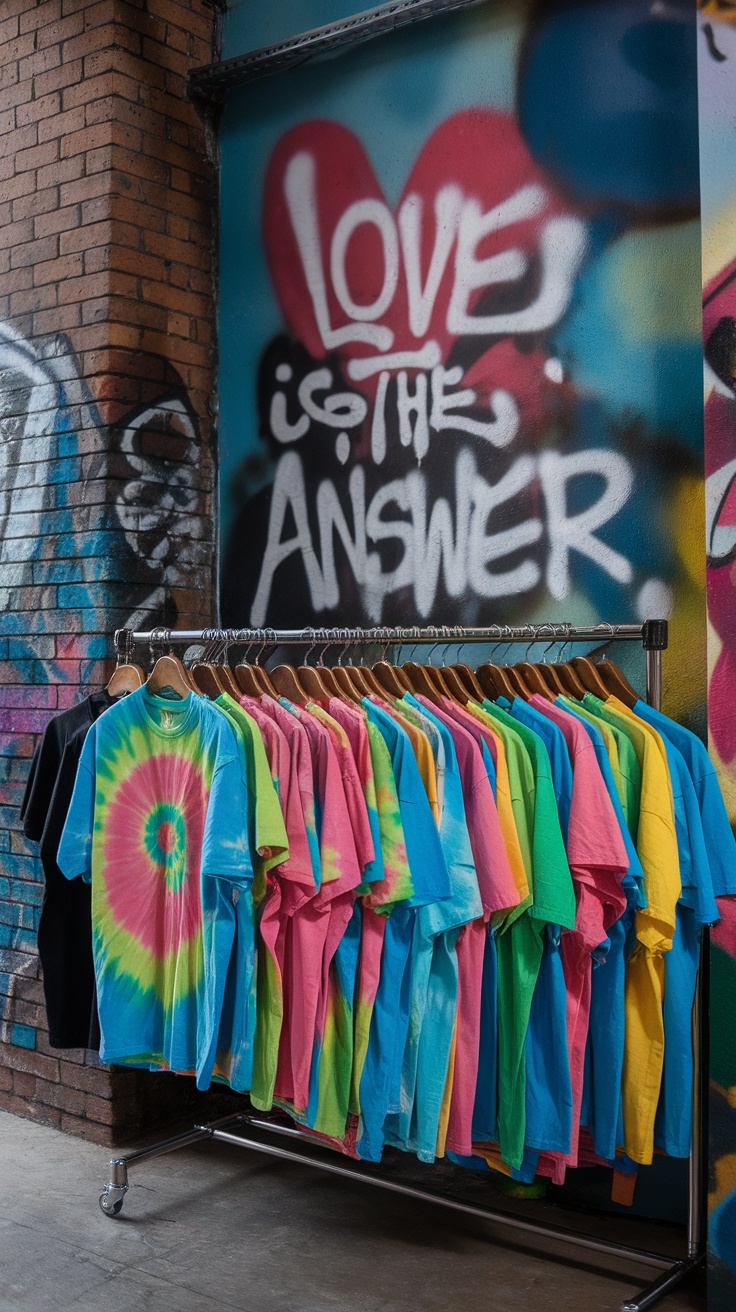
point(479, 246)
point(480, 544)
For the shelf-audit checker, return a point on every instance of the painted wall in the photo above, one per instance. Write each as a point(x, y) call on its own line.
point(106, 472)
point(459, 331)
point(717, 95)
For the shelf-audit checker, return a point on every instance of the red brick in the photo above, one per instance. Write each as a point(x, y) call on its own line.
point(24, 1085)
point(65, 76)
point(57, 221)
point(56, 269)
point(33, 1111)
point(101, 1110)
point(32, 1063)
point(60, 125)
point(62, 170)
point(37, 202)
point(67, 1100)
point(61, 31)
point(36, 156)
point(83, 1129)
point(88, 1079)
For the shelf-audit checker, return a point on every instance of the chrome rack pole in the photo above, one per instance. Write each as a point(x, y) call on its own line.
point(496, 633)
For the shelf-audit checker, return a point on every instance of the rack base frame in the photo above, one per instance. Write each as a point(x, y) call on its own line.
point(672, 1272)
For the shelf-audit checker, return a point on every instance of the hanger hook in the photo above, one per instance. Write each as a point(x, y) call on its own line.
point(309, 632)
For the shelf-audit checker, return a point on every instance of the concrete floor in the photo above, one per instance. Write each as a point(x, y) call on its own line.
point(213, 1227)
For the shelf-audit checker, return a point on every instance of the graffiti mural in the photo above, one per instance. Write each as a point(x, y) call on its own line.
point(45, 404)
point(717, 92)
point(458, 333)
point(100, 525)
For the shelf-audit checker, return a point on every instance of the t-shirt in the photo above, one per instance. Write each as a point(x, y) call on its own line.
point(719, 840)
point(270, 847)
point(353, 723)
point(266, 830)
point(395, 884)
point(302, 783)
point(159, 823)
point(655, 927)
point(65, 926)
point(495, 878)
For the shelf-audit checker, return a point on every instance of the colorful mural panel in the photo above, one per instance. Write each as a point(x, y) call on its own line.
point(717, 94)
point(459, 334)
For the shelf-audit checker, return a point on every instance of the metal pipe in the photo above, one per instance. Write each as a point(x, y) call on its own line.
point(496, 633)
point(469, 1209)
point(654, 678)
point(664, 1284)
point(119, 1165)
point(696, 1175)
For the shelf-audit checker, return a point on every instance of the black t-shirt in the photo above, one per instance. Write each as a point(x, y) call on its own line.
point(65, 927)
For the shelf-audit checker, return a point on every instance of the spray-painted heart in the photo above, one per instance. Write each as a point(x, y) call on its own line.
point(481, 247)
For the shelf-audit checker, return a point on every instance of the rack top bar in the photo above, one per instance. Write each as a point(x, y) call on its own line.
point(652, 634)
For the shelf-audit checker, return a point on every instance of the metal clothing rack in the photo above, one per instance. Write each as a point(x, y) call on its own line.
point(653, 636)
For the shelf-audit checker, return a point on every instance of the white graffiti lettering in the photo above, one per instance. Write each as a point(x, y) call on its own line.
point(459, 221)
point(467, 543)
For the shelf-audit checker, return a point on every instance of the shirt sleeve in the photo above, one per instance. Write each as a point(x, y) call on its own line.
point(40, 786)
point(225, 848)
point(75, 849)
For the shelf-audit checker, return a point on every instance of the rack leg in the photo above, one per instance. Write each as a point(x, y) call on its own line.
point(113, 1194)
point(664, 1284)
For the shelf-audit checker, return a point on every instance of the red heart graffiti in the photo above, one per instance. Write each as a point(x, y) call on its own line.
point(477, 154)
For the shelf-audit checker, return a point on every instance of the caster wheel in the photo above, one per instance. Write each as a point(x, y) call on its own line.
point(110, 1205)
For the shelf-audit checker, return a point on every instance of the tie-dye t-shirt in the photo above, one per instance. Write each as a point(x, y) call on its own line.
point(159, 823)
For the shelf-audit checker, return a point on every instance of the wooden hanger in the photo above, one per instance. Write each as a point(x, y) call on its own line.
point(228, 680)
point(247, 679)
point(391, 679)
point(328, 679)
point(207, 679)
point(421, 681)
point(468, 679)
point(347, 689)
point(551, 675)
point(494, 681)
point(517, 679)
point(589, 676)
point(570, 680)
point(617, 683)
point(454, 687)
point(312, 682)
point(534, 679)
point(126, 678)
point(287, 684)
point(168, 672)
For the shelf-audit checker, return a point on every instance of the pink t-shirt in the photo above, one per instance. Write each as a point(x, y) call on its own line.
point(352, 784)
point(495, 880)
point(498, 893)
point(284, 769)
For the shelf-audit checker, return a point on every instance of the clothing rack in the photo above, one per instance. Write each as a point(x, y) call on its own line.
point(652, 634)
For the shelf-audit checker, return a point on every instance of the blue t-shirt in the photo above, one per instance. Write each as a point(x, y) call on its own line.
point(159, 823)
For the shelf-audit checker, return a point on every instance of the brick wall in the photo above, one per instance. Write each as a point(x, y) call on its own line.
point(106, 465)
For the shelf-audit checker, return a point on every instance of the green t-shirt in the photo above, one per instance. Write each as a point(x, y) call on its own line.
point(610, 740)
point(267, 831)
point(629, 763)
point(522, 789)
point(554, 894)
